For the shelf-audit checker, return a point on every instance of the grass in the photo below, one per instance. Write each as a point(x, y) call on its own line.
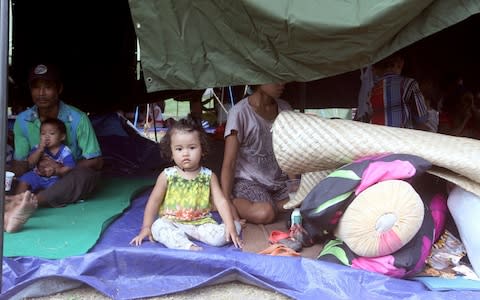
point(179, 109)
point(176, 109)
point(173, 109)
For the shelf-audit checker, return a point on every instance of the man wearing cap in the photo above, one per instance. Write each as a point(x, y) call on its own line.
point(45, 88)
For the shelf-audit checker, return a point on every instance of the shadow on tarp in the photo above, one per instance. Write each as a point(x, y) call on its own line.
point(121, 271)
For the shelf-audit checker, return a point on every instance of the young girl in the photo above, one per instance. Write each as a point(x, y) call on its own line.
point(179, 206)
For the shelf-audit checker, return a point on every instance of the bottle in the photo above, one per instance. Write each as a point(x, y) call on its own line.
point(296, 217)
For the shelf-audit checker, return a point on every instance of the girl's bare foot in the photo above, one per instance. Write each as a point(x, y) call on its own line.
point(242, 223)
point(21, 212)
point(195, 248)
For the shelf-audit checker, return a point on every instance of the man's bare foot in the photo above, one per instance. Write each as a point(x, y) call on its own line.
point(13, 200)
point(21, 212)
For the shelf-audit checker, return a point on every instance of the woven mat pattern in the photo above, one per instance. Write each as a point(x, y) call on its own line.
point(308, 182)
point(305, 143)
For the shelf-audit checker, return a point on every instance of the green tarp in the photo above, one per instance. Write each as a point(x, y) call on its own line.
point(194, 44)
point(74, 229)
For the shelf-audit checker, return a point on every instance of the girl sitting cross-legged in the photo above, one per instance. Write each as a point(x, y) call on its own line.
point(178, 211)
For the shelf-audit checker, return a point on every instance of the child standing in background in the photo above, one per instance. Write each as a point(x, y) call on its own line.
point(51, 147)
point(179, 207)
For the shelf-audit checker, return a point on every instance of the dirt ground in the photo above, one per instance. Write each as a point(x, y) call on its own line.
point(230, 290)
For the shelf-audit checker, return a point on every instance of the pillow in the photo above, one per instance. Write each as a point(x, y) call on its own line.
point(404, 263)
point(324, 205)
point(381, 219)
point(465, 209)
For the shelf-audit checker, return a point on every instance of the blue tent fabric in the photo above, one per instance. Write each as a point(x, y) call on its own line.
point(124, 150)
point(121, 271)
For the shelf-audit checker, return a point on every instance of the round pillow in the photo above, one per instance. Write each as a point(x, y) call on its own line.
point(381, 219)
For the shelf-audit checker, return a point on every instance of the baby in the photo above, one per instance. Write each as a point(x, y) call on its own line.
point(50, 149)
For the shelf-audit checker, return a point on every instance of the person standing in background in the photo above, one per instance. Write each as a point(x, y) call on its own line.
point(395, 100)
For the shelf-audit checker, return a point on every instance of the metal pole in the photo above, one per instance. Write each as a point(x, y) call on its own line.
point(4, 18)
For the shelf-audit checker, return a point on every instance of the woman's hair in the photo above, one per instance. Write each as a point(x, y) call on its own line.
point(57, 123)
point(187, 124)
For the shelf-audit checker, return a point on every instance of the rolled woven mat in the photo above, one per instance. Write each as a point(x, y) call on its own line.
point(305, 143)
point(308, 182)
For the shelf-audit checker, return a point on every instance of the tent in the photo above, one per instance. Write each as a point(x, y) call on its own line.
point(191, 45)
point(199, 44)
point(243, 41)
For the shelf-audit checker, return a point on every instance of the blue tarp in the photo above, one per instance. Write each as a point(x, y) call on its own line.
point(121, 271)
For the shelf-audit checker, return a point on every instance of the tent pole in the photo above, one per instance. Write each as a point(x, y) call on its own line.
point(136, 117)
point(4, 19)
point(154, 122)
point(220, 102)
